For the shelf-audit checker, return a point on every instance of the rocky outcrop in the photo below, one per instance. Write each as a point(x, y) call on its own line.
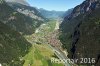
point(86, 6)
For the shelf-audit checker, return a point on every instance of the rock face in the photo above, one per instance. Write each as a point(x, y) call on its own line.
point(21, 18)
point(81, 32)
point(86, 6)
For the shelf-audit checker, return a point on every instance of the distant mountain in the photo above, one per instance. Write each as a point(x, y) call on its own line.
point(23, 2)
point(51, 14)
point(80, 32)
point(22, 18)
point(68, 12)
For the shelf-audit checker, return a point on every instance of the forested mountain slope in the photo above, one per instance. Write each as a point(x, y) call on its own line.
point(19, 21)
point(12, 46)
point(80, 32)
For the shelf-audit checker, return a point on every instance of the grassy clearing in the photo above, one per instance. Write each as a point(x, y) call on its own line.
point(39, 56)
point(35, 56)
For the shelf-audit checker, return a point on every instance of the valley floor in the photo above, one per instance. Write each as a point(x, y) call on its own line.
point(41, 52)
point(45, 46)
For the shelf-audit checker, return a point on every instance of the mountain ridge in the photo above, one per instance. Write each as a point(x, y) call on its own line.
point(86, 6)
point(18, 1)
point(51, 14)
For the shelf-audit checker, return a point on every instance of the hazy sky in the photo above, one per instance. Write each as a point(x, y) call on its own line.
point(58, 5)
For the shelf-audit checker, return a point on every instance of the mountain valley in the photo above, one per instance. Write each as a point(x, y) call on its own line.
point(31, 36)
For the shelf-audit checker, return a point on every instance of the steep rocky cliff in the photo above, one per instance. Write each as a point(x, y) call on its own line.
point(80, 32)
point(86, 6)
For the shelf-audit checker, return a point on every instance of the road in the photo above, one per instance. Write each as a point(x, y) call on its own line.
point(57, 25)
point(60, 55)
